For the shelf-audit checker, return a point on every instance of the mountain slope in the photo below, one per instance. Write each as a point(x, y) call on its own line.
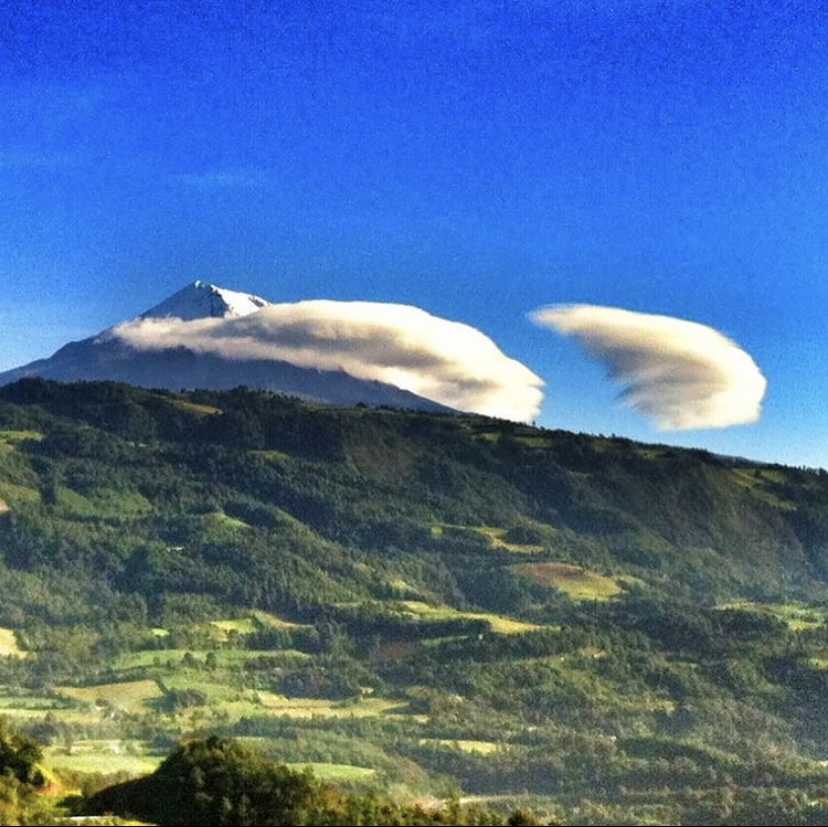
point(714, 525)
point(108, 357)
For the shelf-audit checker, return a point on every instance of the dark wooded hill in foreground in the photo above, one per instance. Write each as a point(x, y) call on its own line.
point(638, 631)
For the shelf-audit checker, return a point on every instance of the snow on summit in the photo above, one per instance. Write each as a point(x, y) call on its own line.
point(448, 362)
point(203, 301)
point(338, 351)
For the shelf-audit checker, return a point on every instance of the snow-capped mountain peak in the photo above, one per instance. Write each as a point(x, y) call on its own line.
point(342, 353)
point(200, 300)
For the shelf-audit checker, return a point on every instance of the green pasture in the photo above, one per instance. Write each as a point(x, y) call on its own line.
point(8, 639)
point(102, 756)
point(797, 616)
point(577, 582)
point(365, 707)
point(496, 535)
point(270, 620)
point(188, 659)
point(222, 520)
point(498, 623)
point(216, 691)
point(129, 696)
point(466, 745)
point(271, 454)
point(108, 502)
point(532, 440)
point(253, 623)
point(13, 493)
point(12, 435)
point(27, 703)
point(195, 407)
point(25, 707)
point(238, 626)
point(15, 701)
point(755, 481)
point(336, 772)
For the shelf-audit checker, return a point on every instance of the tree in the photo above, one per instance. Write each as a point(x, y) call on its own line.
point(215, 781)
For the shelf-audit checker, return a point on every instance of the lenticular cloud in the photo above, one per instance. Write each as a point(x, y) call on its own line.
point(683, 374)
point(445, 361)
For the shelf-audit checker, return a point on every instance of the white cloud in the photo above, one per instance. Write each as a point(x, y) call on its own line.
point(681, 373)
point(445, 361)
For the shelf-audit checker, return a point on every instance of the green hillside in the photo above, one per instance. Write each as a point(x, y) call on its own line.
point(430, 605)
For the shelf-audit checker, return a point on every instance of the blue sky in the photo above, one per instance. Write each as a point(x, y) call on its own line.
point(478, 160)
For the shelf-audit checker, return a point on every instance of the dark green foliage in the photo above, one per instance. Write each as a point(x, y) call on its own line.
point(176, 699)
point(214, 782)
point(217, 781)
point(20, 757)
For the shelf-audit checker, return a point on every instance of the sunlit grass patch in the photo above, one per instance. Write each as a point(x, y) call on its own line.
point(214, 690)
point(275, 622)
point(507, 625)
point(37, 703)
point(12, 435)
point(336, 772)
point(270, 453)
point(497, 538)
point(365, 707)
point(72, 502)
point(465, 745)
point(797, 616)
point(25, 703)
point(226, 521)
point(534, 440)
point(196, 407)
point(186, 660)
point(102, 756)
point(130, 696)
point(240, 626)
point(8, 639)
point(12, 493)
point(754, 480)
point(577, 582)
point(498, 623)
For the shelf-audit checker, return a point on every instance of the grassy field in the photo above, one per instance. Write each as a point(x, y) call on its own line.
point(797, 616)
point(577, 582)
point(496, 536)
point(498, 623)
point(8, 638)
point(336, 772)
point(102, 756)
point(465, 745)
point(12, 492)
point(12, 435)
point(195, 407)
point(170, 659)
point(309, 707)
point(130, 696)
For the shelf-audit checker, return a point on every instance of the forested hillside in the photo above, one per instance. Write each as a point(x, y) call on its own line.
point(599, 630)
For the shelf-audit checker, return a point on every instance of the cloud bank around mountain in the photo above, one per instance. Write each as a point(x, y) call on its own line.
point(683, 374)
point(445, 361)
